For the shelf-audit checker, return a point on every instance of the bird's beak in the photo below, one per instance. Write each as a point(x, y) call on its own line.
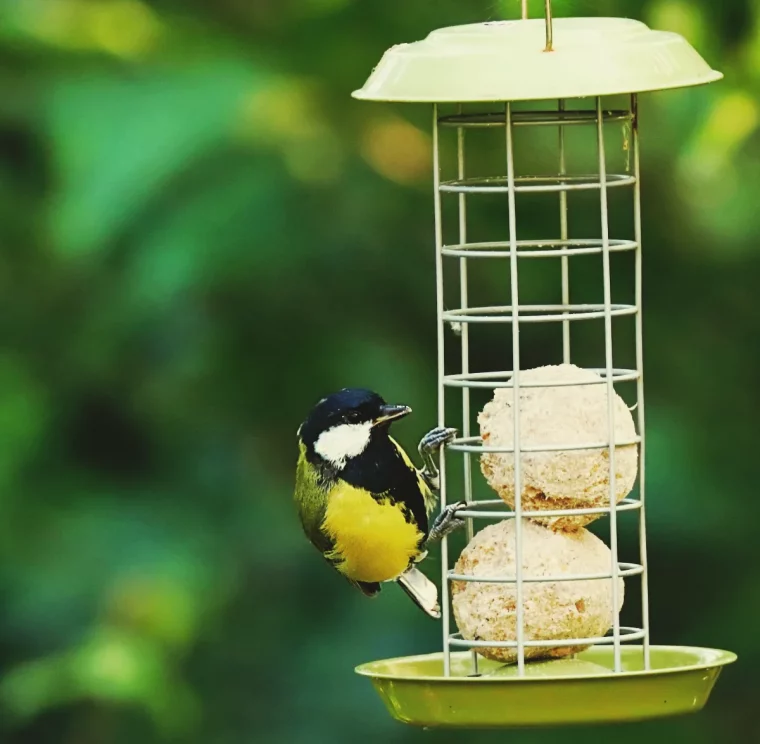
point(391, 413)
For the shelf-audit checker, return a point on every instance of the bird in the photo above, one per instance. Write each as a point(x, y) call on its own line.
point(361, 501)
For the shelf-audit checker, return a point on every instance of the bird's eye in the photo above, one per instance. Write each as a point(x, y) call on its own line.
point(352, 417)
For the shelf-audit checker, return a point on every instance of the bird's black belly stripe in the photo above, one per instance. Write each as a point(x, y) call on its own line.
point(381, 470)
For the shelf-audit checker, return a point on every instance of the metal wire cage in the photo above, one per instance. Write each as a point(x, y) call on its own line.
point(515, 314)
point(415, 73)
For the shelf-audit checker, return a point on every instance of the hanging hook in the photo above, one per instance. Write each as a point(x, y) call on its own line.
point(549, 29)
point(549, 26)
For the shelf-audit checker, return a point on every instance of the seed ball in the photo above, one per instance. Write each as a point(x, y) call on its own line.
point(568, 414)
point(551, 610)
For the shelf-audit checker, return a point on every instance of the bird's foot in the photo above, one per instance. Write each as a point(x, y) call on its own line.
point(435, 439)
point(448, 521)
point(429, 445)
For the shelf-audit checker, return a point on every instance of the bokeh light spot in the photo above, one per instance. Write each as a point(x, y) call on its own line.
point(397, 150)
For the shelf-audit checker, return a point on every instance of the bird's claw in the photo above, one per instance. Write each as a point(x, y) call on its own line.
point(429, 445)
point(435, 439)
point(448, 521)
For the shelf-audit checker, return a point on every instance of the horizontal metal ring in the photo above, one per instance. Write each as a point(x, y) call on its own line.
point(475, 444)
point(536, 248)
point(505, 512)
point(627, 634)
point(494, 380)
point(531, 119)
point(535, 313)
point(624, 570)
point(549, 184)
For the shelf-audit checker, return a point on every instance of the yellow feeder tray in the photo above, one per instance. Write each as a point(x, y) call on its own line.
point(583, 690)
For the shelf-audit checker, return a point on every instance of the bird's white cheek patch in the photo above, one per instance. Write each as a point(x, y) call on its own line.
point(343, 442)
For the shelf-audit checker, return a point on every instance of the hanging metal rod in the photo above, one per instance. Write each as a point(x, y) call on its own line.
point(549, 24)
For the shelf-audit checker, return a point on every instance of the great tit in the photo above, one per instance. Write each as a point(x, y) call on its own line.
point(361, 501)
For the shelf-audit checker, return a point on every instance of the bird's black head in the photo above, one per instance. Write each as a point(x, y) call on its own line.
point(340, 426)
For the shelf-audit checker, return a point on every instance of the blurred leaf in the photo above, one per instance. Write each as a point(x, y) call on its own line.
point(120, 140)
point(110, 666)
point(23, 416)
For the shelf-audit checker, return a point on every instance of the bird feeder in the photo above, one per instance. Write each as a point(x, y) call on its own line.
point(546, 429)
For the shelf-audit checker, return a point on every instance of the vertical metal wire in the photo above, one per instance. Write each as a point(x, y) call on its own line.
point(441, 390)
point(465, 339)
point(610, 385)
point(640, 382)
point(516, 392)
point(564, 234)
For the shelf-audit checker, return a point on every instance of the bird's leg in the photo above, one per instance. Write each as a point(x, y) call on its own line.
point(447, 522)
point(430, 444)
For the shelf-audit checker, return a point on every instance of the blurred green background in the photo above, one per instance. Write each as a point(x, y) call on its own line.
point(203, 233)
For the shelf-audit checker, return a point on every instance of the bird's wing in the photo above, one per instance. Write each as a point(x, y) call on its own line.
point(311, 500)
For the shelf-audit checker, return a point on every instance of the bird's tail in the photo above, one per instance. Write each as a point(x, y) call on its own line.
point(424, 593)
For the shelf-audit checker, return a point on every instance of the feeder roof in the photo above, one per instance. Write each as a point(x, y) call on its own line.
point(506, 61)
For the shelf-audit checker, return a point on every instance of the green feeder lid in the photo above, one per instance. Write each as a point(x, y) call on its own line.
point(506, 61)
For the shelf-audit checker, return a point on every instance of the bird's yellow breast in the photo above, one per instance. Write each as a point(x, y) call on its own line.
point(373, 541)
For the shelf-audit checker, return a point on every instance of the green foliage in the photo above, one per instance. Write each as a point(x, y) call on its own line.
point(202, 234)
